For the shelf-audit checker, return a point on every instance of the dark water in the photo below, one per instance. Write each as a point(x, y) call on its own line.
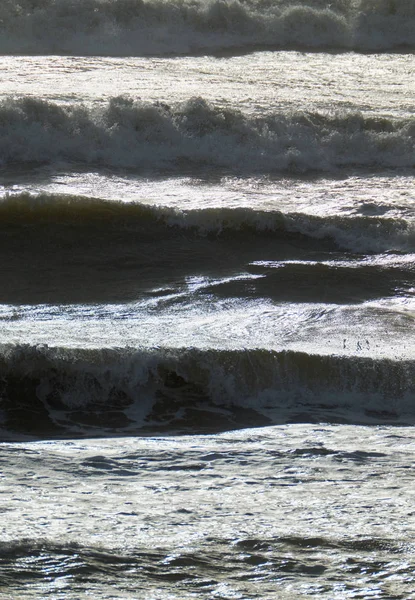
point(68, 251)
point(207, 299)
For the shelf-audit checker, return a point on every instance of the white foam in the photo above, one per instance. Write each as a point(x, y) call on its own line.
point(162, 27)
point(263, 380)
point(134, 134)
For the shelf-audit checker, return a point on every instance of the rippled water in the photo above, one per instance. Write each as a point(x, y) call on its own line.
point(207, 241)
point(284, 512)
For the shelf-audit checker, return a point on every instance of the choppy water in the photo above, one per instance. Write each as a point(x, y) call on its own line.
point(126, 27)
point(287, 512)
point(207, 236)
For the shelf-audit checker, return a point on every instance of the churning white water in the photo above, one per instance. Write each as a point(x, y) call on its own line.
point(207, 241)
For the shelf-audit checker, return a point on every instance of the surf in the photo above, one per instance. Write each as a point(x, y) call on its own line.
point(131, 134)
point(51, 391)
point(157, 27)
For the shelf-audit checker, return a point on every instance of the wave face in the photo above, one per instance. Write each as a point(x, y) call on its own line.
point(76, 392)
point(70, 249)
point(137, 27)
point(67, 216)
point(132, 134)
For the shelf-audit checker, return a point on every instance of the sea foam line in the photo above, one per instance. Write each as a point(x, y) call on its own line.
point(126, 133)
point(126, 27)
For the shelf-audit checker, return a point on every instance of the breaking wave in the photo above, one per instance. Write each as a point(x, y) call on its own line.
point(49, 391)
point(139, 27)
point(355, 233)
point(125, 133)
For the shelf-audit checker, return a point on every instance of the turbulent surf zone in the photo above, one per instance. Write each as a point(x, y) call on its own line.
point(132, 134)
point(133, 28)
point(70, 393)
point(207, 299)
point(212, 315)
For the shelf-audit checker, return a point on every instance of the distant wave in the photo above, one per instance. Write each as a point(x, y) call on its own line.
point(355, 233)
point(139, 27)
point(132, 134)
point(55, 390)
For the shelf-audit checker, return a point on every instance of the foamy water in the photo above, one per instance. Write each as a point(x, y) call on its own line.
point(146, 28)
point(207, 299)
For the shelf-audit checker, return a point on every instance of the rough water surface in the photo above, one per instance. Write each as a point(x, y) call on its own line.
point(287, 512)
point(207, 300)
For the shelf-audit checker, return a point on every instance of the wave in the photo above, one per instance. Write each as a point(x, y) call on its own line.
point(144, 566)
point(70, 249)
point(58, 391)
point(77, 563)
point(65, 214)
point(125, 133)
point(139, 27)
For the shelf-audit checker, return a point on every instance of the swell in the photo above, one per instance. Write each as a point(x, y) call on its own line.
point(130, 134)
point(59, 249)
point(65, 215)
point(137, 27)
point(49, 391)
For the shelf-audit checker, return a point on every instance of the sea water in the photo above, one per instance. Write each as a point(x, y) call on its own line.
point(207, 299)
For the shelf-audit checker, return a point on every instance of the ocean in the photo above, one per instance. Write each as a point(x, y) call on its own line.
point(207, 299)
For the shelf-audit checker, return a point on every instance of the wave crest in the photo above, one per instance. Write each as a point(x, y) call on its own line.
point(131, 389)
point(133, 134)
point(357, 233)
point(138, 27)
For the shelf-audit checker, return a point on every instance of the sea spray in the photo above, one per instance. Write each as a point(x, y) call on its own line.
point(78, 391)
point(143, 28)
point(128, 133)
